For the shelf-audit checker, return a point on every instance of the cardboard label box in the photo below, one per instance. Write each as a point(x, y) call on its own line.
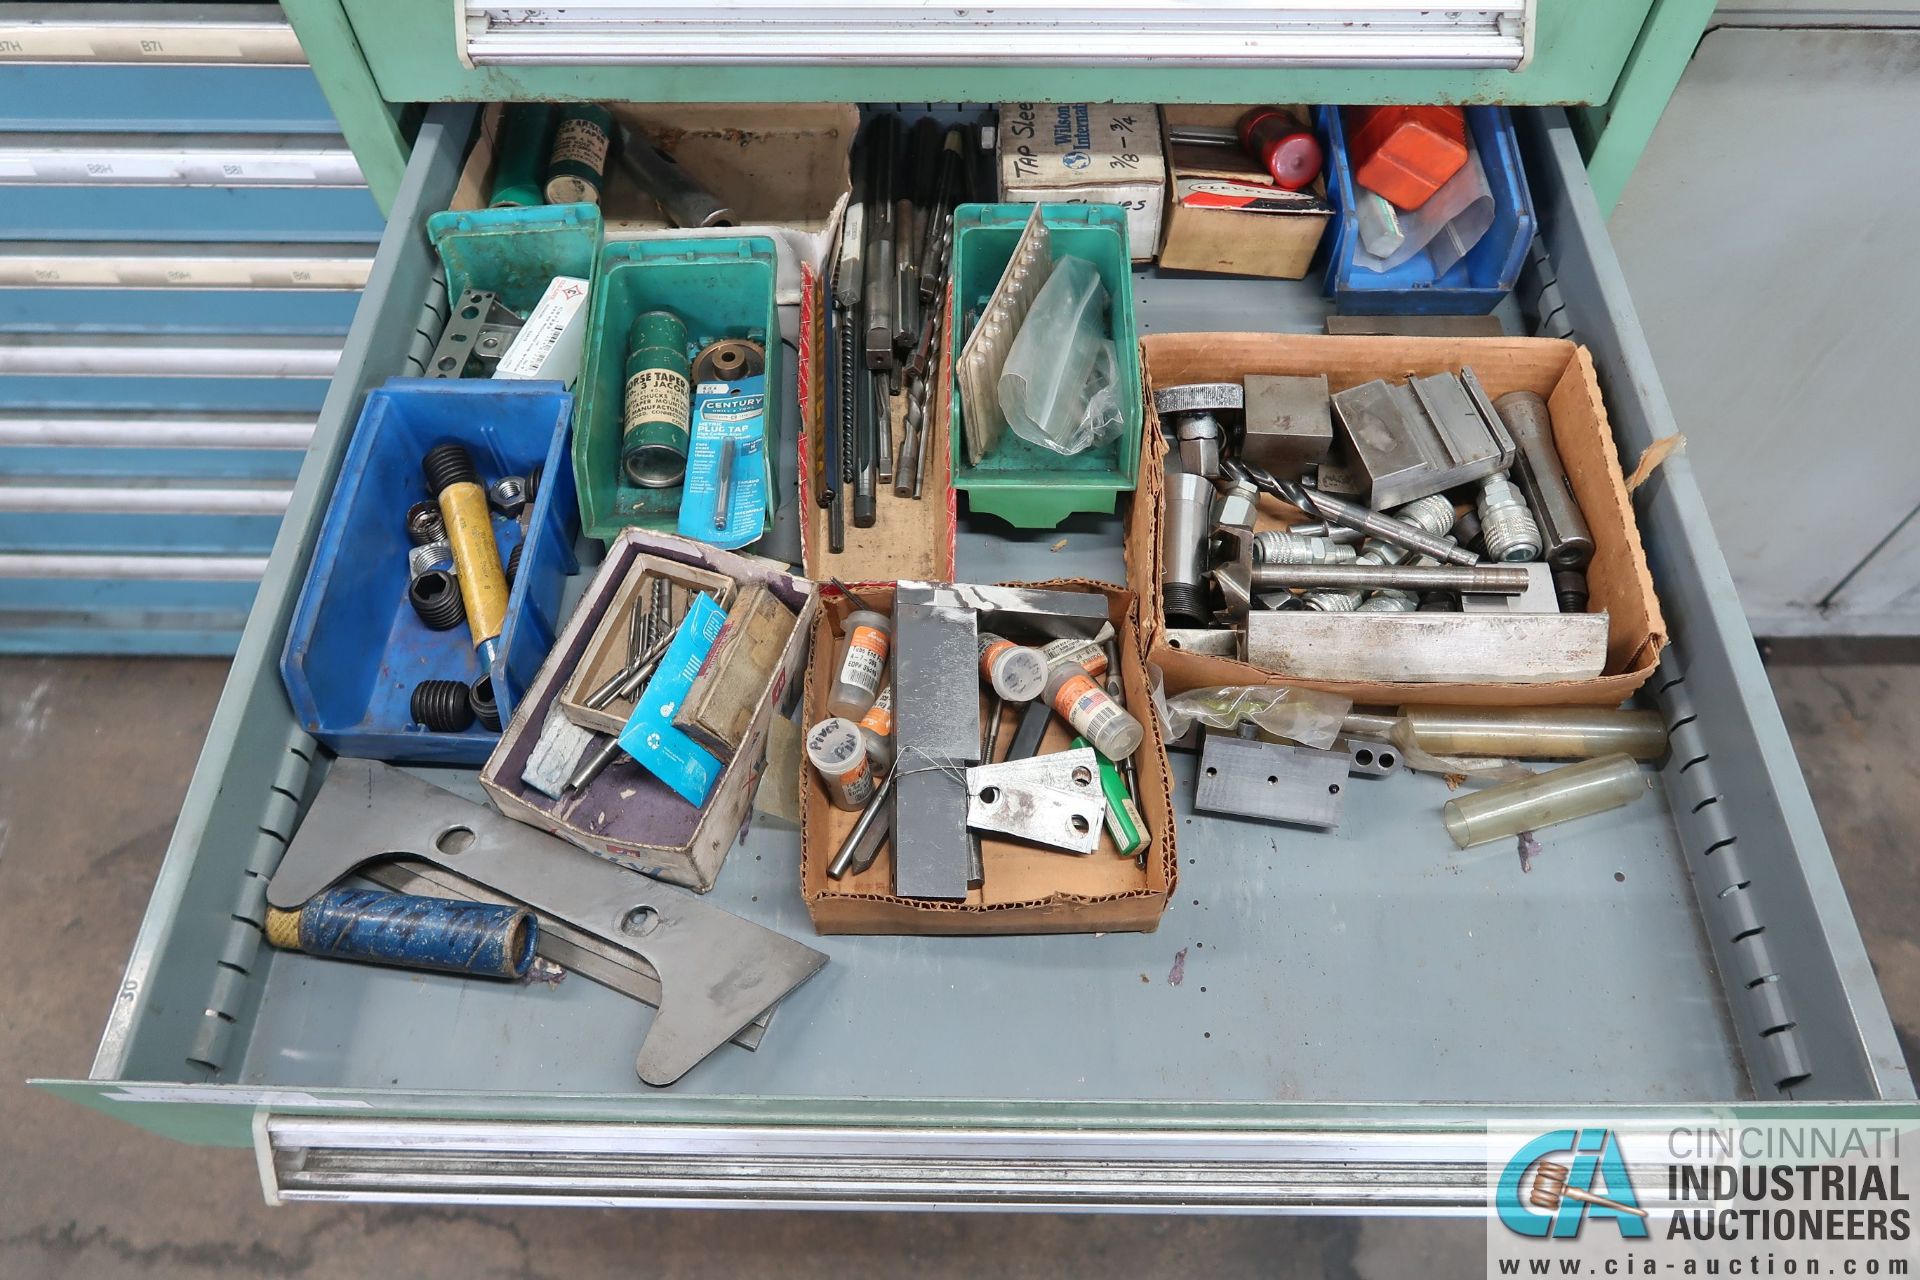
point(1087, 153)
point(1224, 213)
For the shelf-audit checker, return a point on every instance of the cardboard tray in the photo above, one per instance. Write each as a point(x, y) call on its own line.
point(781, 167)
point(910, 538)
point(1278, 243)
point(1027, 890)
point(627, 814)
point(1618, 580)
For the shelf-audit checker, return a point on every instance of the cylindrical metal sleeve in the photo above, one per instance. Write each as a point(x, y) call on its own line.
point(1559, 795)
point(475, 938)
point(476, 557)
point(1569, 542)
point(1490, 579)
point(424, 525)
point(1189, 511)
point(1537, 733)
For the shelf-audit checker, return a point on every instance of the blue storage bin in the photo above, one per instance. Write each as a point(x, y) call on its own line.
point(1472, 286)
point(355, 648)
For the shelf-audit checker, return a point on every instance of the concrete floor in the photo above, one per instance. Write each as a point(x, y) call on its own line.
point(94, 756)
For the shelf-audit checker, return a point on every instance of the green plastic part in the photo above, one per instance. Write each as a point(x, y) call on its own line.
point(1024, 484)
point(515, 252)
point(525, 140)
point(722, 288)
point(1123, 820)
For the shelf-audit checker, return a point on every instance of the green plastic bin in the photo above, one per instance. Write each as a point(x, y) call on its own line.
point(1028, 486)
point(722, 288)
point(515, 252)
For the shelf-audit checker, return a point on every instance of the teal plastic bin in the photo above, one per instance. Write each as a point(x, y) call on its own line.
point(1024, 484)
point(722, 288)
point(515, 252)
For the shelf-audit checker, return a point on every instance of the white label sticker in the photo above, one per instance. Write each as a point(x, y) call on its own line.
point(659, 395)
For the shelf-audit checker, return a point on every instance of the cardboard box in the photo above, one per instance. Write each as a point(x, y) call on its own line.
point(1618, 580)
point(1224, 213)
point(910, 537)
point(718, 709)
point(606, 651)
point(1027, 889)
point(627, 814)
point(1087, 153)
point(781, 167)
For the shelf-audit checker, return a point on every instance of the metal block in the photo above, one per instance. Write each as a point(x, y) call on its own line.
point(1370, 759)
point(1023, 615)
point(1538, 597)
point(1421, 436)
point(1429, 648)
point(936, 710)
point(1271, 781)
point(1210, 643)
point(1416, 326)
point(1289, 422)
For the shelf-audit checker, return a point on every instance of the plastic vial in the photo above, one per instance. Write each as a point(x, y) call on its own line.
point(861, 664)
point(877, 728)
point(1017, 673)
point(1093, 713)
point(838, 754)
point(1558, 795)
point(1090, 654)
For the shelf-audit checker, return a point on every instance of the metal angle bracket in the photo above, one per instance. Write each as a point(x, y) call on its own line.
point(1054, 800)
point(1271, 781)
point(479, 328)
point(717, 972)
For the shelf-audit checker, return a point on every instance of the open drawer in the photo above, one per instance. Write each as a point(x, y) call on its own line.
point(1321, 1021)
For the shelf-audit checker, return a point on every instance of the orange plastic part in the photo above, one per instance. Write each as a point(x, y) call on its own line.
point(1406, 153)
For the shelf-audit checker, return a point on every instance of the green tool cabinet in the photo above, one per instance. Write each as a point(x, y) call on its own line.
point(1619, 59)
point(1355, 1006)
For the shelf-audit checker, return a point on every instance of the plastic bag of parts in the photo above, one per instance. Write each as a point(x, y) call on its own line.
point(1447, 226)
point(1058, 389)
point(1309, 717)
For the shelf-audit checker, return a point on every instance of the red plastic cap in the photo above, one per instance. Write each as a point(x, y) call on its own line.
point(1287, 149)
point(1406, 153)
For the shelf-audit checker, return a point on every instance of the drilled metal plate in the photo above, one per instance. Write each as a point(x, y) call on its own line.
point(1271, 781)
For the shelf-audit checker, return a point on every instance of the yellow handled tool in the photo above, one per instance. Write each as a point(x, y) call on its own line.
point(455, 482)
